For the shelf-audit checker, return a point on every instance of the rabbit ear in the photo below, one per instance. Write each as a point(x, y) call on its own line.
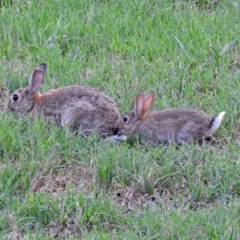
point(37, 77)
point(138, 105)
point(148, 101)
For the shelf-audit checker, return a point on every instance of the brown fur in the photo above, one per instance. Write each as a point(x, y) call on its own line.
point(176, 125)
point(83, 108)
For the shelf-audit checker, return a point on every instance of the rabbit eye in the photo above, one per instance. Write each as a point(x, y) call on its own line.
point(125, 119)
point(15, 97)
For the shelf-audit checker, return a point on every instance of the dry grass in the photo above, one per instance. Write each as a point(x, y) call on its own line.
point(3, 99)
point(70, 228)
point(61, 178)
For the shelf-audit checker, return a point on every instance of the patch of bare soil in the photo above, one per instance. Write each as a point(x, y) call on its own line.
point(132, 196)
point(57, 180)
point(64, 231)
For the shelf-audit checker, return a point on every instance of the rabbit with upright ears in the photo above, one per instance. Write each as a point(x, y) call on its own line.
point(81, 108)
point(175, 125)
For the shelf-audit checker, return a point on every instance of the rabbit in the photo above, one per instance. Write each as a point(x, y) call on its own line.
point(176, 125)
point(78, 107)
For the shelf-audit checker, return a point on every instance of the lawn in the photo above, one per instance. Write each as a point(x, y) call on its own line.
point(59, 185)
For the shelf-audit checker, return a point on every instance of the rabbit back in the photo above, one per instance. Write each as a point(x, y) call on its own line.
point(82, 108)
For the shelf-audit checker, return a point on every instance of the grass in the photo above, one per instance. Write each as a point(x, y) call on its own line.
point(56, 185)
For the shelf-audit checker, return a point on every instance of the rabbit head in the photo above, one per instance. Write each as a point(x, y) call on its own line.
point(130, 120)
point(22, 100)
